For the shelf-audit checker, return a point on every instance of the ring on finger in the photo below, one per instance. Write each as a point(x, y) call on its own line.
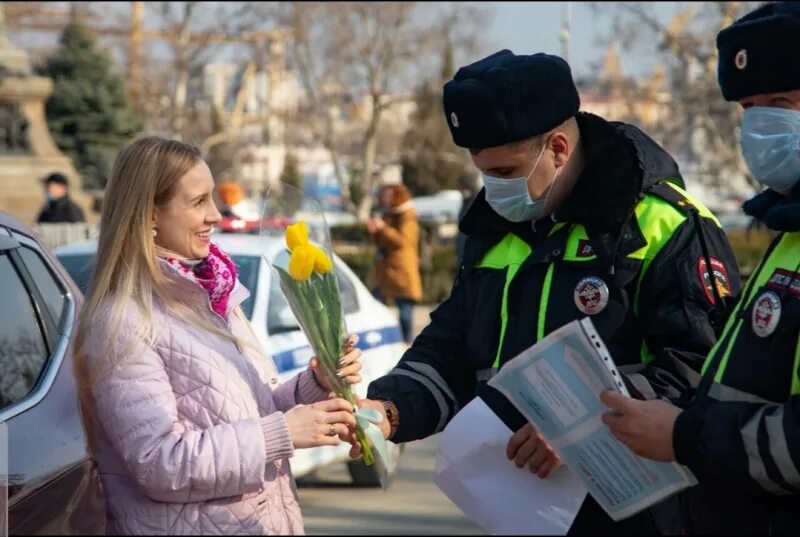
point(332, 431)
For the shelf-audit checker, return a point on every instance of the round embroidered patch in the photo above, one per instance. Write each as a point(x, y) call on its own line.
point(766, 314)
point(591, 295)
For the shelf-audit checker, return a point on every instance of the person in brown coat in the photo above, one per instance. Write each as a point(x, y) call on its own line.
point(397, 274)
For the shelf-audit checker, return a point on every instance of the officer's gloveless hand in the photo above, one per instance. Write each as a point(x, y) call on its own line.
point(527, 447)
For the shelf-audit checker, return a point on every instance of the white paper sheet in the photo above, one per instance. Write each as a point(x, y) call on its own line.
point(473, 471)
point(556, 384)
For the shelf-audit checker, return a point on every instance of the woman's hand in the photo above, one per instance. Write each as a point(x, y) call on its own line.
point(349, 366)
point(374, 225)
point(326, 423)
point(529, 448)
point(378, 223)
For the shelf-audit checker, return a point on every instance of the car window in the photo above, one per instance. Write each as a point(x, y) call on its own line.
point(348, 291)
point(280, 318)
point(51, 290)
point(247, 268)
point(22, 349)
point(79, 267)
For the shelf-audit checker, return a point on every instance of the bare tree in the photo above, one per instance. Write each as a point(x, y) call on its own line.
point(191, 24)
point(431, 161)
point(701, 128)
point(354, 51)
point(316, 70)
point(374, 57)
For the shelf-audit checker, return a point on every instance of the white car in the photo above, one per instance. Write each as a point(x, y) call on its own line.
point(444, 206)
point(276, 327)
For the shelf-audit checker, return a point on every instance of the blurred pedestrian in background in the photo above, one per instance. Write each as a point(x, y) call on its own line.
point(59, 206)
point(230, 195)
point(397, 276)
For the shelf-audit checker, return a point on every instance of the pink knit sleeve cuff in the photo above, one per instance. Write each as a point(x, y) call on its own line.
point(308, 390)
point(277, 440)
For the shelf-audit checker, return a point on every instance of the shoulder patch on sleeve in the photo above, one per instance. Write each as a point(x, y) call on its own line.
point(721, 279)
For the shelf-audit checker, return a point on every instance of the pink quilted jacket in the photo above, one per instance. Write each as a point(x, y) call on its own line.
point(193, 437)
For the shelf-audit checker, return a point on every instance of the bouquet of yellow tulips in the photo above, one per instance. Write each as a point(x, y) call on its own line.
point(311, 290)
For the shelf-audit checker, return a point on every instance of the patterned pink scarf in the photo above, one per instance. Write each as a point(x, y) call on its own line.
point(216, 274)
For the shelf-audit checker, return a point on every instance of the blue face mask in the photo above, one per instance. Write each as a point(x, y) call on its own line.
point(510, 197)
point(771, 146)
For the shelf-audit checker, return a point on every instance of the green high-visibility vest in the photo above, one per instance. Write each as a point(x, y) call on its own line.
point(658, 220)
point(783, 256)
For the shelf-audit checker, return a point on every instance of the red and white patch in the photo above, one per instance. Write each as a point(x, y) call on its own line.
point(584, 249)
point(591, 295)
point(741, 59)
point(766, 314)
point(781, 279)
point(721, 279)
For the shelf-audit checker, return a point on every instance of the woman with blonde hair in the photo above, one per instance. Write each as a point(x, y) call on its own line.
point(189, 425)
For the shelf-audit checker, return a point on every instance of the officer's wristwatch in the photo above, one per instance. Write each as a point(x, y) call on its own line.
point(392, 416)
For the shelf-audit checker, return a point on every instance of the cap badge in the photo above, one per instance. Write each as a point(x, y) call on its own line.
point(454, 119)
point(741, 59)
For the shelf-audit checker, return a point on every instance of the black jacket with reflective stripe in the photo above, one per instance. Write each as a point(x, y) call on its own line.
point(741, 436)
point(438, 374)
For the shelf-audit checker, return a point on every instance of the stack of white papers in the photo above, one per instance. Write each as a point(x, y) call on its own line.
point(556, 385)
point(473, 471)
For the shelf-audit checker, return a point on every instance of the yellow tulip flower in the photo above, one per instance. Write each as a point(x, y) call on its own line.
point(316, 302)
point(301, 263)
point(322, 263)
point(297, 235)
point(306, 258)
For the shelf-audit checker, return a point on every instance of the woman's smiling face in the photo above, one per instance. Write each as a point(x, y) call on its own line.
point(185, 222)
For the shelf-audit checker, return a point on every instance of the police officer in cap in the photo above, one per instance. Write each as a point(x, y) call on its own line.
point(578, 217)
point(741, 434)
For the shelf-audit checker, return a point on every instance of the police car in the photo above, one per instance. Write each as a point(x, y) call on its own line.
point(276, 327)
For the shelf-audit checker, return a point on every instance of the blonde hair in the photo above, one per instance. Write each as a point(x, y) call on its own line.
point(127, 273)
